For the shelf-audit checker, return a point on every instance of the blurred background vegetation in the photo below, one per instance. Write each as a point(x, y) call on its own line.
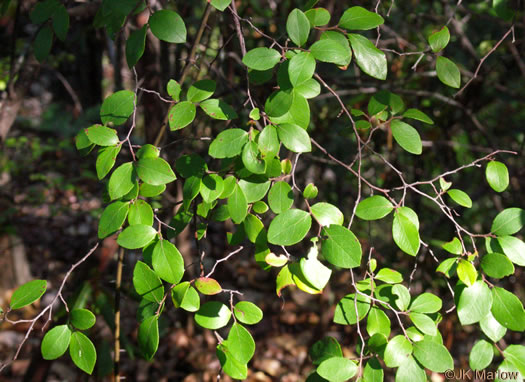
point(50, 198)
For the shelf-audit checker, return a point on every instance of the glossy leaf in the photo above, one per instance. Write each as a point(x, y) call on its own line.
point(112, 218)
point(418, 115)
point(148, 337)
point(261, 58)
point(294, 138)
point(168, 26)
point(140, 212)
point(317, 17)
point(155, 171)
point(83, 352)
point(55, 342)
point(231, 365)
point(228, 143)
point(240, 343)
point(497, 176)
point(186, 297)
point(328, 50)
point(121, 181)
point(474, 303)
point(492, 328)
point(252, 160)
point(371, 60)
point(406, 136)
point(117, 108)
point(439, 40)
point(102, 135)
point(433, 356)
point(221, 5)
point(208, 286)
point(181, 115)
point(508, 222)
point(280, 197)
point(337, 369)
point(481, 355)
point(298, 27)
point(167, 262)
point(213, 315)
point(341, 247)
point(325, 348)
point(327, 214)
point(106, 159)
point(147, 283)
point(454, 246)
point(397, 350)
point(289, 227)
point(426, 303)
point(460, 197)
point(136, 236)
point(82, 319)
point(405, 234)
point(507, 309)
point(377, 322)
point(467, 272)
point(515, 354)
point(389, 276)
point(497, 265)
point(135, 45)
point(247, 312)
point(201, 90)
point(514, 248)
point(358, 18)
point(301, 68)
point(424, 323)
point(237, 205)
point(28, 293)
point(448, 72)
point(345, 311)
point(373, 208)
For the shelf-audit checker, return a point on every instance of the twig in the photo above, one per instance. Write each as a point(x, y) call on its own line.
point(118, 283)
point(224, 259)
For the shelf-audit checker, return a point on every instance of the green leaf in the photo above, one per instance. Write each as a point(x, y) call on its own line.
point(186, 297)
point(507, 309)
point(237, 205)
point(106, 159)
point(43, 43)
point(83, 352)
point(255, 188)
point(373, 208)
point(253, 228)
point(82, 319)
point(148, 337)
point(168, 26)
point(481, 355)
point(168, 262)
point(424, 323)
point(191, 165)
point(331, 51)
point(389, 276)
point(301, 68)
point(173, 88)
point(497, 176)
point(508, 372)
point(298, 27)
point(453, 246)
point(340, 247)
point(155, 171)
point(229, 143)
point(371, 60)
point(231, 366)
point(261, 58)
point(315, 272)
point(211, 188)
point(337, 369)
point(201, 90)
point(56, 342)
point(418, 115)
point(147, 283)
point(439, 40)
point(433, 356)
point(497, 265)
point(43, 10)
point(492, 328)
point(279, 103)
point(213, 315)
point(294, 138)
point(240, 343)
point(467, 272)
point(121, 181)
point(181, 115)
point(112, 218)
point(426, 303)
point(406, 136)
point(327, 214)
point(474, 303)
point(378, 322)
point(308, 89)
point(82, 142)
point(140, 212)
point(117, 108)
point(289, 227)
point(317, 17)
point(247, 312)
point(444, 184)
point(324, 349)
point(135, 45)
point(252, 160)
point(61, 22)
point(405, 234)
point(358, 18)
point(460, 197)
point(268, 141)
point(448, 72)
point(207, 286)
point(221, 5)
point(260, 207)
point(410, 371)
point(515, 354)
point(508, 222)
point(284, 279)
point(102, 135)
point(310, 191)
point(345, 311)
point(397, 351)
point(373, 371)
point(136, 236)
point(280, 197)
point(403, 296)
point(514, 248)
point(28, 293)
